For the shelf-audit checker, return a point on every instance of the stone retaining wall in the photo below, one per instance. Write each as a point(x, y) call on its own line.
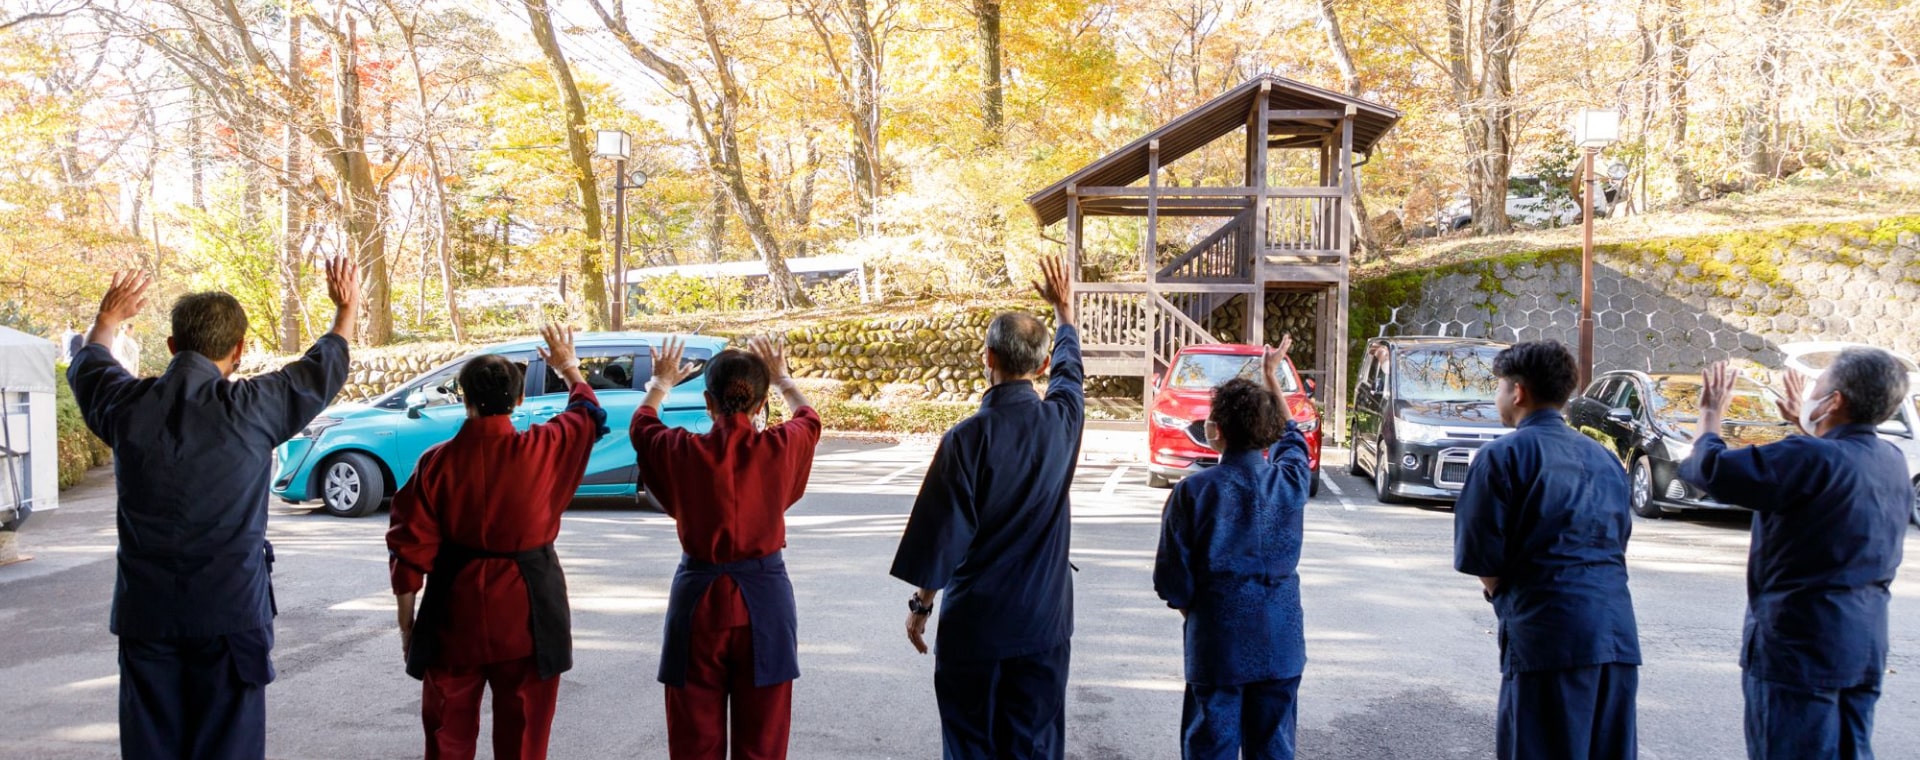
point(1673, 305)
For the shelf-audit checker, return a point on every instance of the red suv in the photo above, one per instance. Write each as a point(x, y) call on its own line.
point(1176, 423)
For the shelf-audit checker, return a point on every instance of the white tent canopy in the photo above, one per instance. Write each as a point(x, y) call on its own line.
point(26, 362)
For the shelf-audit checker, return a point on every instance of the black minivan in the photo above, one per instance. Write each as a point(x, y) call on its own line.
point(1422, 408)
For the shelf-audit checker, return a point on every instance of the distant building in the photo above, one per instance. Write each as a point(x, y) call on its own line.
point(809, 271)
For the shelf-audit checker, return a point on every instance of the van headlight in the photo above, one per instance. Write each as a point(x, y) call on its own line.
point(1414, 432)
point(319, 425)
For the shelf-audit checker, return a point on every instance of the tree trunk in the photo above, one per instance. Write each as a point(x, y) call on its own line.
point(1759, 133)
point(196, 148)
point(717, 226)
point(365, 213)
point(1678, 71)
point(1365, 243)
point(986, 14)
point(1499, 40)
point(592, 278)
point(443, 227)
point(868, 161)
point(292, 214)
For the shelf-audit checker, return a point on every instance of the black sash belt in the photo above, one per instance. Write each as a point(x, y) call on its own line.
point(550, 619)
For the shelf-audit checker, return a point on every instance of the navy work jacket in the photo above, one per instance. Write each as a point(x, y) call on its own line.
point(992, 523)
point(1830, 517)
point(1229, 552)
point(192, 459)
point(1546, 510)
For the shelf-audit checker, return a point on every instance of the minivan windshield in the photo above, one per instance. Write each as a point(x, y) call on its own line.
point(1450, 373)
point(1194, 372)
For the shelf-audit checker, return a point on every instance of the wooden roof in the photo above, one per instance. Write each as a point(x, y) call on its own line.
point(1200, 126)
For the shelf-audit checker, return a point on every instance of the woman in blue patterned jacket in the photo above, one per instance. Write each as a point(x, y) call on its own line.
point(1229, 548)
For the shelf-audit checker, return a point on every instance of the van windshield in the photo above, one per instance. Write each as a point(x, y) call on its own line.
point(1194, 372)
point(1454, 373)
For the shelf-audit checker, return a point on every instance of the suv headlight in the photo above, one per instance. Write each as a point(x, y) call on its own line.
point(1414, 432)
point(319, 425)
point(1165, 420)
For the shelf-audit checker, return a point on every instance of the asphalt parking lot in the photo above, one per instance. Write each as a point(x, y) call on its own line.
point(1402, 659)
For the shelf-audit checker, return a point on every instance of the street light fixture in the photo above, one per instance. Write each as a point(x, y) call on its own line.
point(618, 145)
point(1593, 130)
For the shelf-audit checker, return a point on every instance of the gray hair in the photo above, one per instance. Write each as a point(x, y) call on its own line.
point(1873, 383)
point(1020, 340)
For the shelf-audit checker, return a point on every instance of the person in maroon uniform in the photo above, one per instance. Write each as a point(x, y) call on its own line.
point(478, 520)
point(731, 634)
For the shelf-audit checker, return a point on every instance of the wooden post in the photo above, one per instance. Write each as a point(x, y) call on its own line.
point(1255, 329)
point(1347, 185)
point(1150, 258)
point(1073, 232)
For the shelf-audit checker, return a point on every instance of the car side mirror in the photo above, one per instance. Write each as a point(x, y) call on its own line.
point(1312, 387)
point(1621, 416)
point(416, 401)
point(414, 411)
point(1158, 378)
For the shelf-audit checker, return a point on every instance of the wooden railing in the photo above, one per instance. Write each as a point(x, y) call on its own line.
point(1174, 331)
point(1112, 317)
point(1224, 256)
point(1306, 222)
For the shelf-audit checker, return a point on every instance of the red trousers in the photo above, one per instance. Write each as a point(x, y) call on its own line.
point(720, 671)
point(522, 710)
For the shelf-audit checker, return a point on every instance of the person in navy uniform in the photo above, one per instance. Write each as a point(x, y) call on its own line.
point(991, 527)
point(1229, 553)
point(192, 459)
point(1543, 522)
point(1829, 516)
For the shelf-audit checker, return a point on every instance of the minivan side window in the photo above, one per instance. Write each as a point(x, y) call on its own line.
point(620, 368)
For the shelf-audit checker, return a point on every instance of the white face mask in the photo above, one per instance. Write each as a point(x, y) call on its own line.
point(1807, 420)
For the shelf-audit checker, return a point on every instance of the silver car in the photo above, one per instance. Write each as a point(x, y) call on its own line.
point(1903, 430)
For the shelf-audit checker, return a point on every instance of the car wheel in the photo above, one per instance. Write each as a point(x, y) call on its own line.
point(1154, 480)
point(647, 503)
point(1640, 488)
point(1383, 476)
point(1313, 487)
point(1353, 459)
point(351, 485)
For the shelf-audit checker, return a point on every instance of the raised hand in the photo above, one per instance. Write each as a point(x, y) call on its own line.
point(1272, 361)
point(1055, 287)
point(1789, 404)
point(1716, 389)
point(773, 352)
point(668, 368)
point(125, 297)
point(559, 349)
point(343, 281)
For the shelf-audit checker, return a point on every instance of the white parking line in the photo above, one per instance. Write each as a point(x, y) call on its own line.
point(1339, 494)
point(892, 476)
point(1113, 481)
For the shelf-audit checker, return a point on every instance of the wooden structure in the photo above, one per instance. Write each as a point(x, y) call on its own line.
point(1272, 239)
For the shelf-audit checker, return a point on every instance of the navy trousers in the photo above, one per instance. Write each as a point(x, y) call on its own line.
point(1790, 722)
point(1013, 709)
point(198, 698)
point(1573, 714)
point(1218, 722)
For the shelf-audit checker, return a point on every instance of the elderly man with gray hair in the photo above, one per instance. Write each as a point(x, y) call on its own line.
point(1830, 512)
point(991, 528)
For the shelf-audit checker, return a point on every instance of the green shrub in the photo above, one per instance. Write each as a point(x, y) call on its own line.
point(79, 449)
point(837, 414)
point(931, 416)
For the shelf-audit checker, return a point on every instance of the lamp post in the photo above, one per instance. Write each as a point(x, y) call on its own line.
point(617, 145)
point(1592, 131)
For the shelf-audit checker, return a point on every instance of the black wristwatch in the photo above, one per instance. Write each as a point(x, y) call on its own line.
point(917, 607)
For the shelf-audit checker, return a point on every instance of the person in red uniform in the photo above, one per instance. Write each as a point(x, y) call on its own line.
point(478, 520)
point(731, 634)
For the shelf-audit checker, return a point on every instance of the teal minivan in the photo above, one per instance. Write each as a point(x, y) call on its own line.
point(355, 456)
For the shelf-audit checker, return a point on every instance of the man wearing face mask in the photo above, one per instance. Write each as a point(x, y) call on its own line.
point(1830, 511)
point(1543, 521)
point(192, 459)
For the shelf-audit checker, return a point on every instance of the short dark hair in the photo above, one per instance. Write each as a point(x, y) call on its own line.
point(737, 381)
point(492, 384)
point(1247, 414)
point(1872, 382)
point(1020, 340)
point(210, 324)
point(1545, 367)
